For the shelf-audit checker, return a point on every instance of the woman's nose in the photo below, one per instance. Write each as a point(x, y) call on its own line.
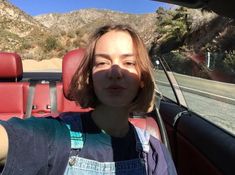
point(115, 72)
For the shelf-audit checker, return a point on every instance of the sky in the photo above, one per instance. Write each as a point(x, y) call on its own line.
point(37, 7)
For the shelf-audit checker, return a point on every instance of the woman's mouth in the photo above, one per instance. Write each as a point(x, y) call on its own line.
point(115, 89)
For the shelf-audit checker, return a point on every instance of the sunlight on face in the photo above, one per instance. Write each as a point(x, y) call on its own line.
point(115, 48)
point(115, 76)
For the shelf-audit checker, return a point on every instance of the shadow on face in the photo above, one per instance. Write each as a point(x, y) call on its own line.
point(116, 86)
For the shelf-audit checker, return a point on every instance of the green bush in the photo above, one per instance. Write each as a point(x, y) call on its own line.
point(25, 46)
point(76, 43)
point(71, 35)
point(174, 24)
point(230, 62)
point(50, 44)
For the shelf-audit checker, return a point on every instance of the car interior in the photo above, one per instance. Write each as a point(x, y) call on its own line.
point(45, 97)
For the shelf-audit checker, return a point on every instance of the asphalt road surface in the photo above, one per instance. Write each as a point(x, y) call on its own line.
point(214, 101)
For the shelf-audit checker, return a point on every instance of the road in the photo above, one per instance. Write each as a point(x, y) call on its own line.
point(213, 100)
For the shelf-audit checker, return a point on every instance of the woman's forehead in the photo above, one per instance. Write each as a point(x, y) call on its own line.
point(115, 42)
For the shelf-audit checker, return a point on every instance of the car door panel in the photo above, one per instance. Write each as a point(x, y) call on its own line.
point(198, 146)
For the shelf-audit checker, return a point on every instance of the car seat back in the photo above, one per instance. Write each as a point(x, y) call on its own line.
point(13, 94)
point(70, 63)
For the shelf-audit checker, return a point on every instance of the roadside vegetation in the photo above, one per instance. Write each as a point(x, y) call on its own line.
point(209, 52)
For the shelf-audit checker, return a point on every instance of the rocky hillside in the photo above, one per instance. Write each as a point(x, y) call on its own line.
point(52, 35)
point(193, 30)
point(185, 37)
point(19, 31)
point(83, 22)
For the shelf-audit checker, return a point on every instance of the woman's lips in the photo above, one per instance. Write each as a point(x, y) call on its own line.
point(115, 89)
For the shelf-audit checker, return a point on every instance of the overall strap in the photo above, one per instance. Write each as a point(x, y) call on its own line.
point(74, 123)
point(142, 144)
point(142, 140)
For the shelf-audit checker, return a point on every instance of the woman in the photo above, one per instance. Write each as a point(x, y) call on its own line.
point(115, 78)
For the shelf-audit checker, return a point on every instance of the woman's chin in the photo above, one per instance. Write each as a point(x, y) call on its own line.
point(116, 104)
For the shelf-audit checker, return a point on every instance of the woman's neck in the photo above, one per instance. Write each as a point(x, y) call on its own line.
point(114, 121)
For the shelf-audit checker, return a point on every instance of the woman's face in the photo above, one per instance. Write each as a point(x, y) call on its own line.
point(115, 77)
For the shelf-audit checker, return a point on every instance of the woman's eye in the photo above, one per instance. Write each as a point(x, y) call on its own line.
point(100, 63)
point(129, 63)
point(103, 63)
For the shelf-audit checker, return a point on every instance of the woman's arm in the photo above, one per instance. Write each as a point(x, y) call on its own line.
point(3, 144)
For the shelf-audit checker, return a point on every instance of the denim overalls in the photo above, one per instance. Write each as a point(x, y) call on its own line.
point(82, 166)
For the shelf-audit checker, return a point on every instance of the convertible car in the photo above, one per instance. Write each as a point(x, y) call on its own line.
point(197, 138)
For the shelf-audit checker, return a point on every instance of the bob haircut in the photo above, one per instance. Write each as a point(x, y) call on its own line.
point(81, 86)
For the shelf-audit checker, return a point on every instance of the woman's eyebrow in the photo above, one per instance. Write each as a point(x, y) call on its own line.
point(128, 55)
point(102, 55)
point(109, 56)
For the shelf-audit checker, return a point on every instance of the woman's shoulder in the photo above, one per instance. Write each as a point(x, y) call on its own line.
point(162, 155)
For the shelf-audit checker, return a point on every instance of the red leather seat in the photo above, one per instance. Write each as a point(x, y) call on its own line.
point(11, 68)
point(70, 63)
point(41, 106)
point(13, 94)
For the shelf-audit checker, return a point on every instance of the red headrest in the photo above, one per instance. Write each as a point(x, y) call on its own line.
point(70, 64)
point(10, 65)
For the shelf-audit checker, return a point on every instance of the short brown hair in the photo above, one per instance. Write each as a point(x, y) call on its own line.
point(81, 86)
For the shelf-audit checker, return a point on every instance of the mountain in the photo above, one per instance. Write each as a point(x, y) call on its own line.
point(187, 38)
point(19, 31)
point(52, 35)
point(83, 22)
point(193, 30)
